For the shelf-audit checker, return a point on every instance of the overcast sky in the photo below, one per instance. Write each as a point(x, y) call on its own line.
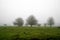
point(41, 9)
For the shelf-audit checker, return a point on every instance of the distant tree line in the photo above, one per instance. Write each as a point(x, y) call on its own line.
point(31, 20)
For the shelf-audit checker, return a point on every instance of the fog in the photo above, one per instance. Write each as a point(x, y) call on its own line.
point(41, 9)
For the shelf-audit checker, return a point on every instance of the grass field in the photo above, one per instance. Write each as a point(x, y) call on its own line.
point(29, 33)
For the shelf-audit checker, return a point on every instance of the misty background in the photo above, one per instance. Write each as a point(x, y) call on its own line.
point(41, 9)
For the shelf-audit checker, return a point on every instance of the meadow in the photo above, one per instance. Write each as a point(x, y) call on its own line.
point(29, 33)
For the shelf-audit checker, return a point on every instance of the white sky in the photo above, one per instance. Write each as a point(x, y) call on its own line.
point(41, 9)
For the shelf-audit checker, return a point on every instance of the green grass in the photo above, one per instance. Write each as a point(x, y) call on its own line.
point(28, 33)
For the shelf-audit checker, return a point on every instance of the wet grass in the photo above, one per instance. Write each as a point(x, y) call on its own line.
point(29, 33)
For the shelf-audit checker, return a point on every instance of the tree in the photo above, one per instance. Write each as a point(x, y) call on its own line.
point(19, 22)
point(26, 24)
point(31, 20)
point(45, 24)
point(39, 24)
point(50, 21)
point(5, 24)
